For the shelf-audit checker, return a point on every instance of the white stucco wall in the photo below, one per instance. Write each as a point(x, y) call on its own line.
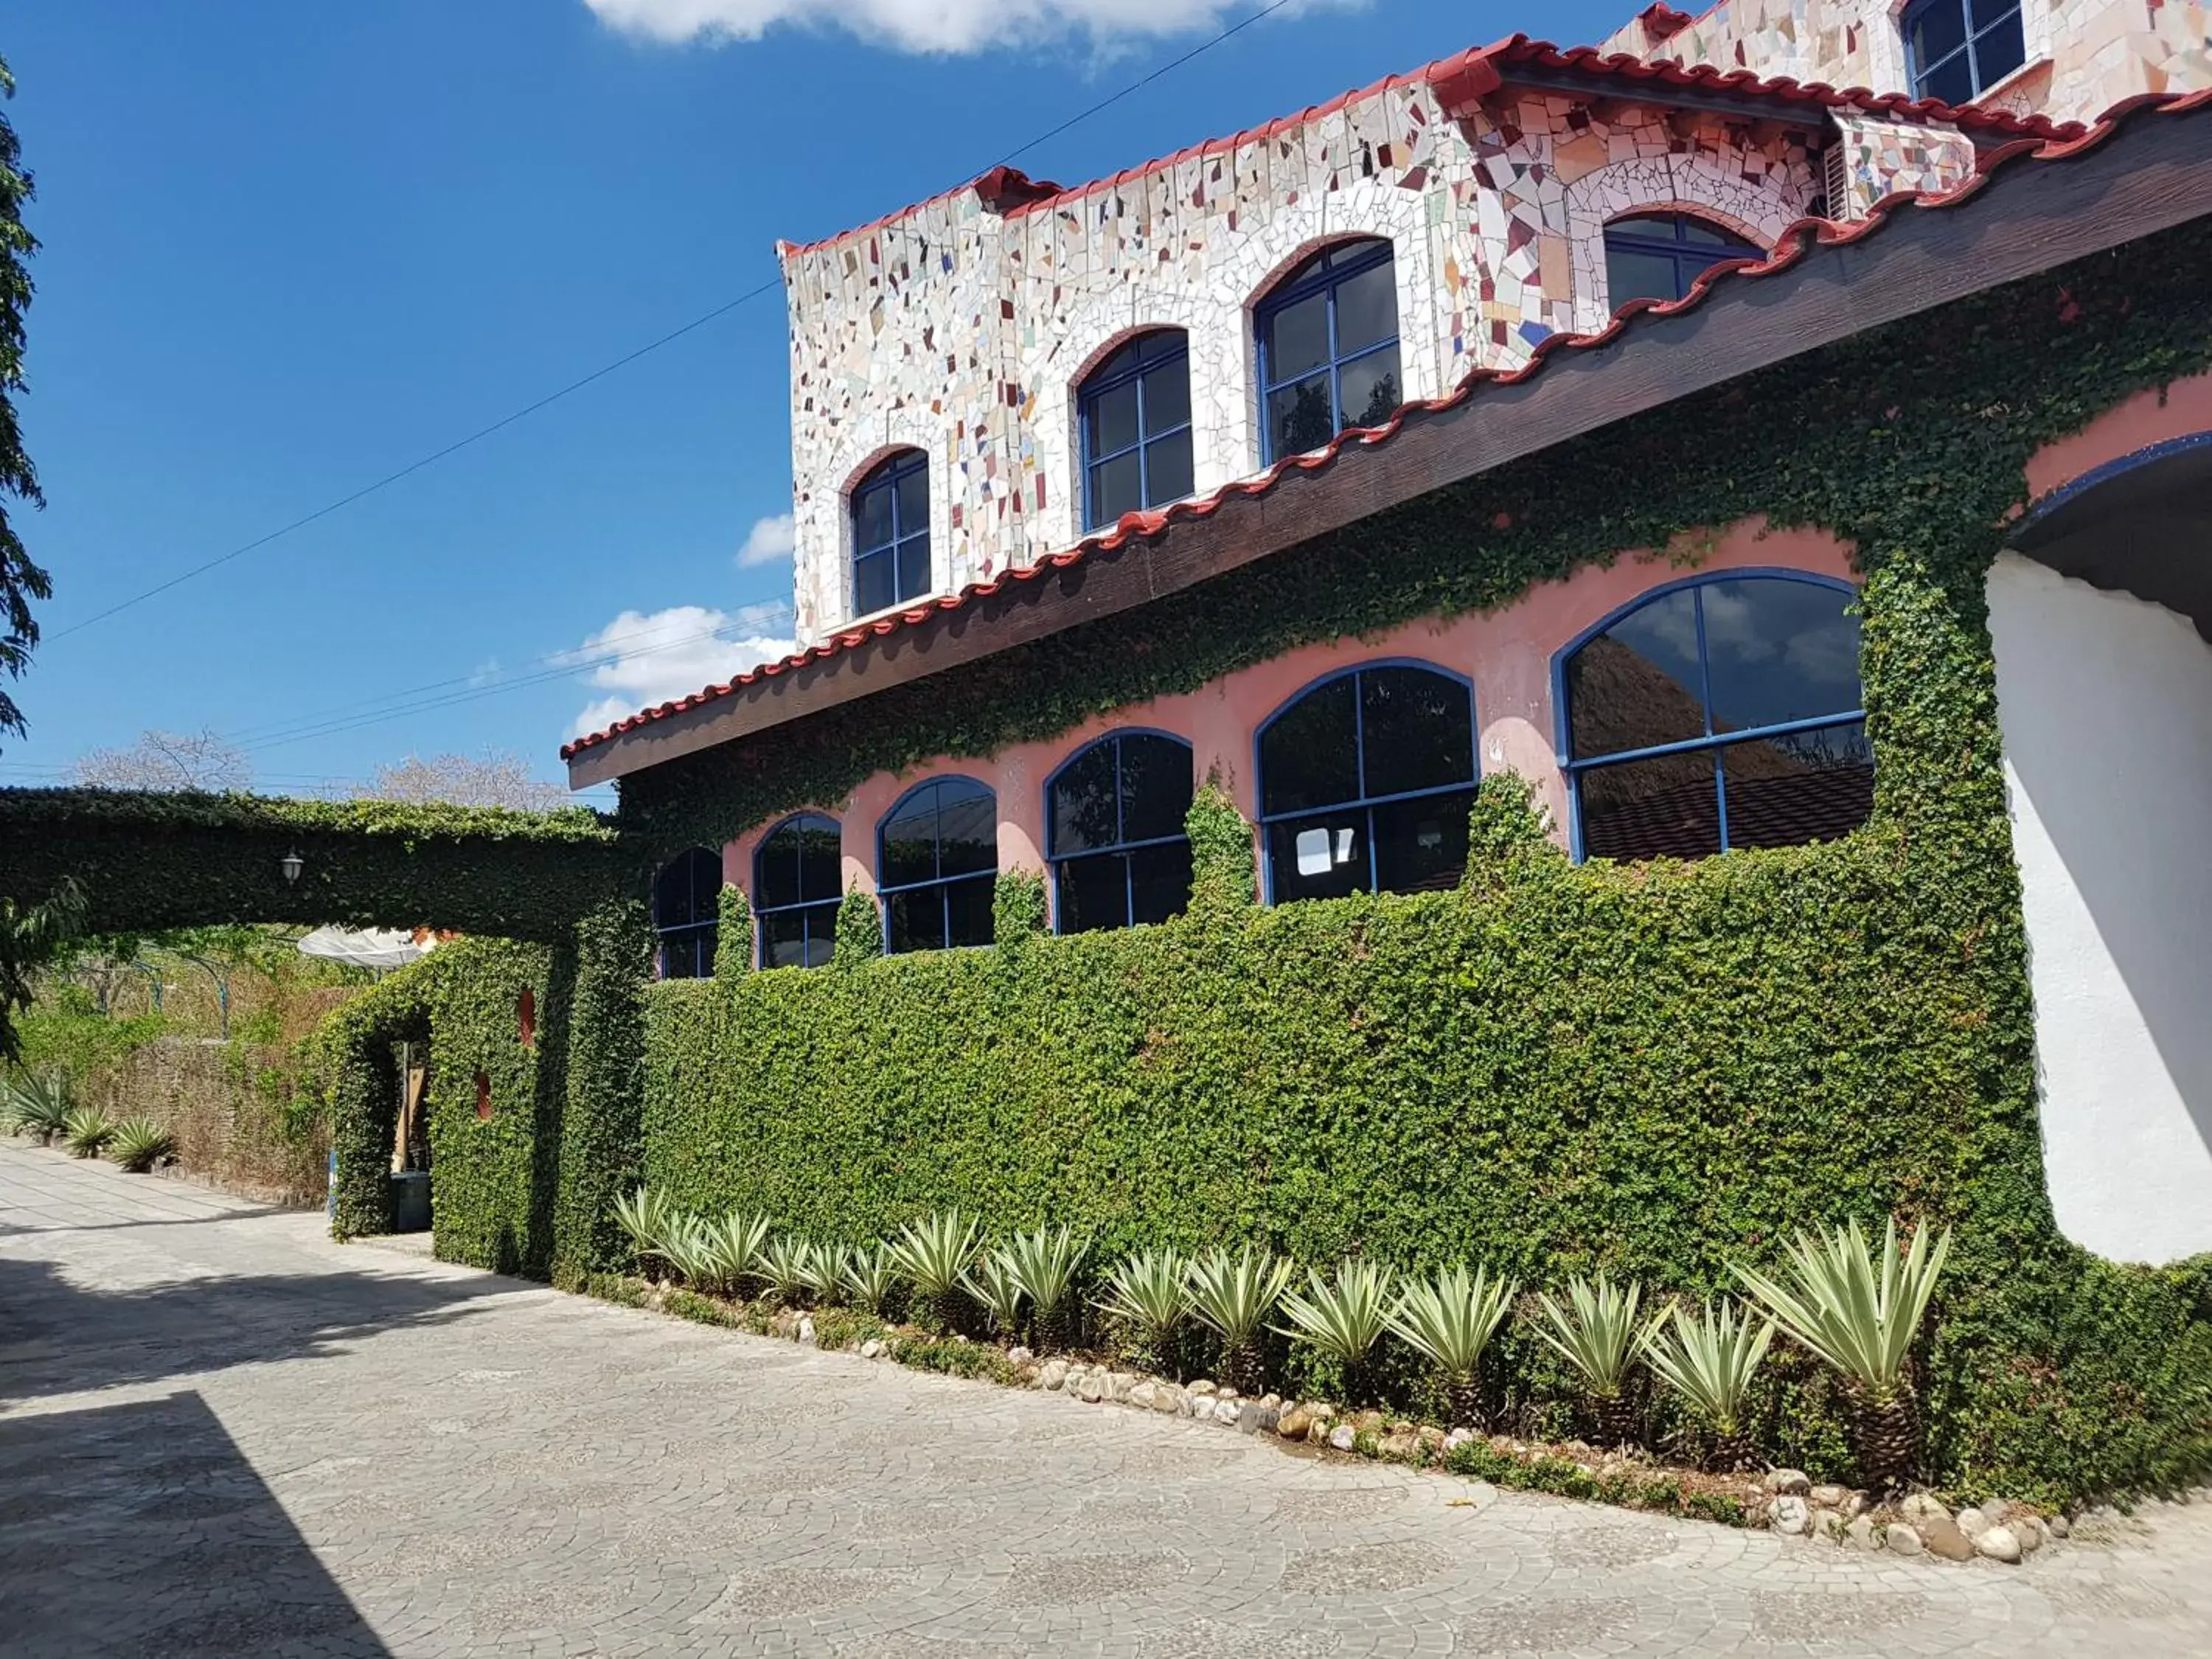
point(2105, 704)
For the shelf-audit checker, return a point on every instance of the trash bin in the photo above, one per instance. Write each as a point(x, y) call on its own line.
point(410, 1202)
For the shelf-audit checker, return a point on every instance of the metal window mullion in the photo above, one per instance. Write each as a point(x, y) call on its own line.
point(1335, 379)
point(1363, 802)
point(1705, 660)
point(1720, 792)
point(1718, 740)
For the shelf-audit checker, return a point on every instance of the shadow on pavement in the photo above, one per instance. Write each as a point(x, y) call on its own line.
point(56, 1338)
point(142, 1529)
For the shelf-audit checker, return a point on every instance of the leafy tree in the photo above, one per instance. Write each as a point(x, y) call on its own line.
point(21, 581)
point(30, 935)
point(168, 760)
point(491, 779)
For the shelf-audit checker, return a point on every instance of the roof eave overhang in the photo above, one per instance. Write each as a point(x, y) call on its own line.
point(2077, 200)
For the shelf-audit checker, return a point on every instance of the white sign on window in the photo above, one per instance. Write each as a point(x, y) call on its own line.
point(1316, 856)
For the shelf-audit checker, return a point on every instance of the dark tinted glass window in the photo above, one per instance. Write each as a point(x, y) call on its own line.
point(686, 906)
point(1658, 256)
point(1365, 784)
point(937, 864)
point(1328, 348)
point(1136, 416)
point(798, 874)
point(1750, 684)
point(1115, 832)
point(891, 533)
point(1959, 49)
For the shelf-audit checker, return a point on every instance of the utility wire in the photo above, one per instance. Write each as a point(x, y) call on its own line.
point(623, 361)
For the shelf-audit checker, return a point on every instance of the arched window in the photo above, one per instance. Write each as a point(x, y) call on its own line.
point(1328, 348)
point(1365, 784)
point(1719, 713)
point(798, 880)
point(937, 866)
point(686, 905)
point(1959, 49)
point(891, 533)
point(1135, 409)
point(1114, 832)
point(1657, 256)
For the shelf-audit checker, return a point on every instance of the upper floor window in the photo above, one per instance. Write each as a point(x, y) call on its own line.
point(797, 885)
point(686, 906)
point(1114, 834)
point(1135, 409)
point(1717, 713)
point(1328, 348)
point(1365, 784)
point(937, 866)
point(1657, 256)
point(891, 533)
point(1959, 49)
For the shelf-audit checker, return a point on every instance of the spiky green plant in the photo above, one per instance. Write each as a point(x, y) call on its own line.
point(870, 1277)
point(1044, 1264)
point(1449, 1318)
point(1858, 1309)
point(1594, 1330)
point(1148, 1295)
point(822, 1271)
point(740, 1237)
point(689, 1245)
point(786, 1267)
point(1235, 1295)
point(932, 1254)
point(1711, 1361)
point(40, 1106)
point(1342, 1318)
point(88, 1130)
point(993, 1282)
point(645, 1217)
point(139, 1144)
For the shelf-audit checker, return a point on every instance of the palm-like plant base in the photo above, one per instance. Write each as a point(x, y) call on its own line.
point(1617, 1419)
point(1241, 1365)
point(1464, 1399)
point(1886, 1436)
point(1731, 1453)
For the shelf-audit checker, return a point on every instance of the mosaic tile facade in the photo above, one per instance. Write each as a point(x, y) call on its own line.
point(2083, 56)
point(964, 331)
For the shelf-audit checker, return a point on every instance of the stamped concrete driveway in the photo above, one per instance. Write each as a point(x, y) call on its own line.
point(222, 1434)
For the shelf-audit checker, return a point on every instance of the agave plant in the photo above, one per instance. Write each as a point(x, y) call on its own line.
point(993, 1282)
point(139, 1144)
point(646, 1216)
point(869, 1277)
point(738, 1238)
point(786, 1266)
point(1342, 1318)
point(932, 1254)
point(1149, 1296)
point(1858, 1310)
point(1595, 1330)
point(822, 1271)
point(688, 1245)
point(1234, 1294)
point(87, 1131)
point(40, 1106)
point(1710, 1361)
point(1449, 1318)
point(1043, 1265)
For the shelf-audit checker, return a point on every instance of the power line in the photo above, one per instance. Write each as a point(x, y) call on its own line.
point(623, 361)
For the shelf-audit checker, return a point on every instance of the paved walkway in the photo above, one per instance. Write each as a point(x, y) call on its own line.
point(222, 1434)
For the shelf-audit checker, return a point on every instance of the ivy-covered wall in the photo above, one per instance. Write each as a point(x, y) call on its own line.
point(1655, 1068)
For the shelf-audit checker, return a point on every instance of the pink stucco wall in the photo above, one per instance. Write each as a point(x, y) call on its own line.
point(1508, 654)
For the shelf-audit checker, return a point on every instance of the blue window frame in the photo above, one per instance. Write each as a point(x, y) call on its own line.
point(798, 883)
point(1719, 713)
point(937, 865)
point(891, 533)
point(1135, 414)
point(1959, 49)
point(1366, 779)
point(1115, 832)
point(686, 907)
point(1658, 256)
point(1328, 348)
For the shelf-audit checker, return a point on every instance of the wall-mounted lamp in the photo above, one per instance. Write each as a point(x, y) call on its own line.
point(292, 864)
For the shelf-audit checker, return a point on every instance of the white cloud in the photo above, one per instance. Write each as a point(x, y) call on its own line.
point(768, 542)
point(923, 26)
point(641, 659)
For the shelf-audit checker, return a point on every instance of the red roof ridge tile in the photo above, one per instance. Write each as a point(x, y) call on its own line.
point(1796, 240)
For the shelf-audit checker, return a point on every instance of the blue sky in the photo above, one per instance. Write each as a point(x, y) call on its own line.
point(290, 249)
